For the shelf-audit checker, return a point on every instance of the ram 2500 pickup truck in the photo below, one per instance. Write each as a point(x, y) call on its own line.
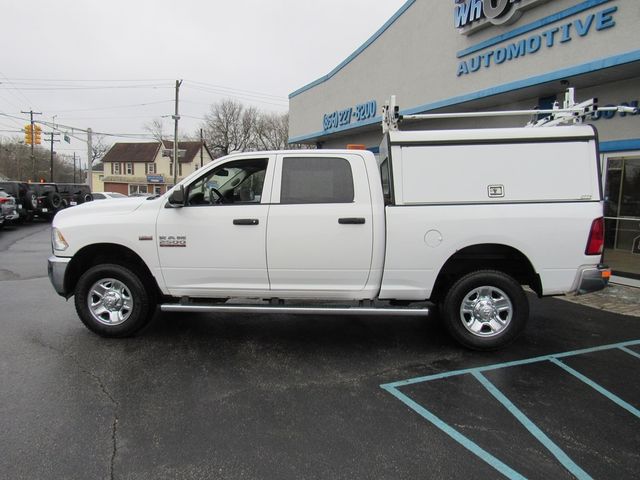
point(462, 219)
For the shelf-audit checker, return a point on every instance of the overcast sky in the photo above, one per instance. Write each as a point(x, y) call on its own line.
point(55, 54)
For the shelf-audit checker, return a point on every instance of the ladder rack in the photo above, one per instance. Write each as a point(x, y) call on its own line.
point(570, 113)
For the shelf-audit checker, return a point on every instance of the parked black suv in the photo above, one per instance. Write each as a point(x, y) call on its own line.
point(26, 199)
point(74, 194)
point(49, 199)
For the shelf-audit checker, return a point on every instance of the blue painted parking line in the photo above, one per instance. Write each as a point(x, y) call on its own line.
point(457, 436)
point(614, 398)
point(563, 458)
point(556, 451)
point(630, 352)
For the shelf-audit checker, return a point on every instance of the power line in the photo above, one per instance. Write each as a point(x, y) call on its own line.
point(238, 97)
point(99, 87)
point(75, 80)
point(114, 107)
point(251, 92)
point(17, 89)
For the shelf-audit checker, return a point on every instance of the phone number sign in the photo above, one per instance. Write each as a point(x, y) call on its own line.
point(349, 116)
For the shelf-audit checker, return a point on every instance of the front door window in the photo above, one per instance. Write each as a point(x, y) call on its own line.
point(238, 182)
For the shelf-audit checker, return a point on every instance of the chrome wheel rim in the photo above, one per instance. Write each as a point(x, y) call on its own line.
point(110, 302)
point(486, 311)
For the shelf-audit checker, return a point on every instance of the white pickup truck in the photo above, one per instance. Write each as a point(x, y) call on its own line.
point(463, 219)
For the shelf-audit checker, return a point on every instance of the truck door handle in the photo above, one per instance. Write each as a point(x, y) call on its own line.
point(351, 221)
point(246, 221)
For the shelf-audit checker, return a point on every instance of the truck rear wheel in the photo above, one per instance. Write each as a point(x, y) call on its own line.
point(112, 301)
point(485, 310)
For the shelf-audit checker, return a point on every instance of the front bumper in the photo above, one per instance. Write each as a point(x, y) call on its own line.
point(591, 279)
point(57, 268)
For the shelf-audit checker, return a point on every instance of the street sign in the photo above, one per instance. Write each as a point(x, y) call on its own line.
point(167, 152)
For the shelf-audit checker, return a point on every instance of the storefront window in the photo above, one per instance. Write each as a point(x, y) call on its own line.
point(622, 216)
point(137, 189)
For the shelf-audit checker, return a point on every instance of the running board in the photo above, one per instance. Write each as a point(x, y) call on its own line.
point(192, 308)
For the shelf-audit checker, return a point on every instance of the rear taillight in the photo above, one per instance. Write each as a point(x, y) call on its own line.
point(595, 244)
point(3, 199)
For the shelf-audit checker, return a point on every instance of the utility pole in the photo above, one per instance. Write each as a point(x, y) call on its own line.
point(89, 159)
point(176, 117)
point(33, 156)
point(74, 167)
point(201, 149)
point(52, 139)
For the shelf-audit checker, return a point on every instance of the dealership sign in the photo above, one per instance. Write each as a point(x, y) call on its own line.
point(542, 35)
point(472, 15)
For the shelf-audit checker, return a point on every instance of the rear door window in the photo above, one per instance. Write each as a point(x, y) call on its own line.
point(316, 180)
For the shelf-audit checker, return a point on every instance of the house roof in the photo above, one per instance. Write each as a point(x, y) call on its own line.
point(132, 152)
point(148, 151)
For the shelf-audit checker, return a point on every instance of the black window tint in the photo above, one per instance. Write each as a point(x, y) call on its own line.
point(316, 180)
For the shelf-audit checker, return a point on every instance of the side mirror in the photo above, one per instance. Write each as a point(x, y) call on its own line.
point(177, 198)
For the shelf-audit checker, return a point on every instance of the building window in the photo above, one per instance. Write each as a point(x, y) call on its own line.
point(151, 168)
point(115, 168)
point(316, 180)
point(129, 168)
point(134, 189)
point(101, 177)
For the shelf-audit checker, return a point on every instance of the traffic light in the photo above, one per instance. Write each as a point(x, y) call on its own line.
point(38, 135)
point(28, 134)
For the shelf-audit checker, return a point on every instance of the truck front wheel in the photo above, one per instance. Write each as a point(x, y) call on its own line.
point(112, 301)
point(485, 310)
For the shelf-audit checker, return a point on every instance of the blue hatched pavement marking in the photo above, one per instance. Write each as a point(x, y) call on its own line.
point(469, 444)
point(630, 352)
point(603, 391)
point(510, 473)
point(533, 429)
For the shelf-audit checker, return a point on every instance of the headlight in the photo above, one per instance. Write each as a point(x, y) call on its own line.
point(58, 241)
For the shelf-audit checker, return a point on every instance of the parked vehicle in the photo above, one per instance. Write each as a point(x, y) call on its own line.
point(141, 194)
point(49, 200)
point(26, 199)
point(107, 195)
point(8, 212)
point(74, 194)
point(463, 219)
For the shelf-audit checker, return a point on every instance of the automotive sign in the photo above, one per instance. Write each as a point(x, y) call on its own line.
point(473, 15)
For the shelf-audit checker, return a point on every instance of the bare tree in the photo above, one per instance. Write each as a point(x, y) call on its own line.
point(230, 127)
point(154, 127)
point(272, 131)
point(98, 149)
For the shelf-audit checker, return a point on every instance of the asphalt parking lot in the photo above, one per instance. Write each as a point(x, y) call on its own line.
point(288, 397)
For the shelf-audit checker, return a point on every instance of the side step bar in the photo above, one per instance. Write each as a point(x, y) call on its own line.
point(224, 308)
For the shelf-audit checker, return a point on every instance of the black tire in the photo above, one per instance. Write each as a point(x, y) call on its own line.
point(88, 197)
point(141, 301)
point(31, 201)
point(496, 310)
point(53, 200)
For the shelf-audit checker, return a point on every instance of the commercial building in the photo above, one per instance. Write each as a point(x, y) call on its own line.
point(479, 55)
point(140, 168)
